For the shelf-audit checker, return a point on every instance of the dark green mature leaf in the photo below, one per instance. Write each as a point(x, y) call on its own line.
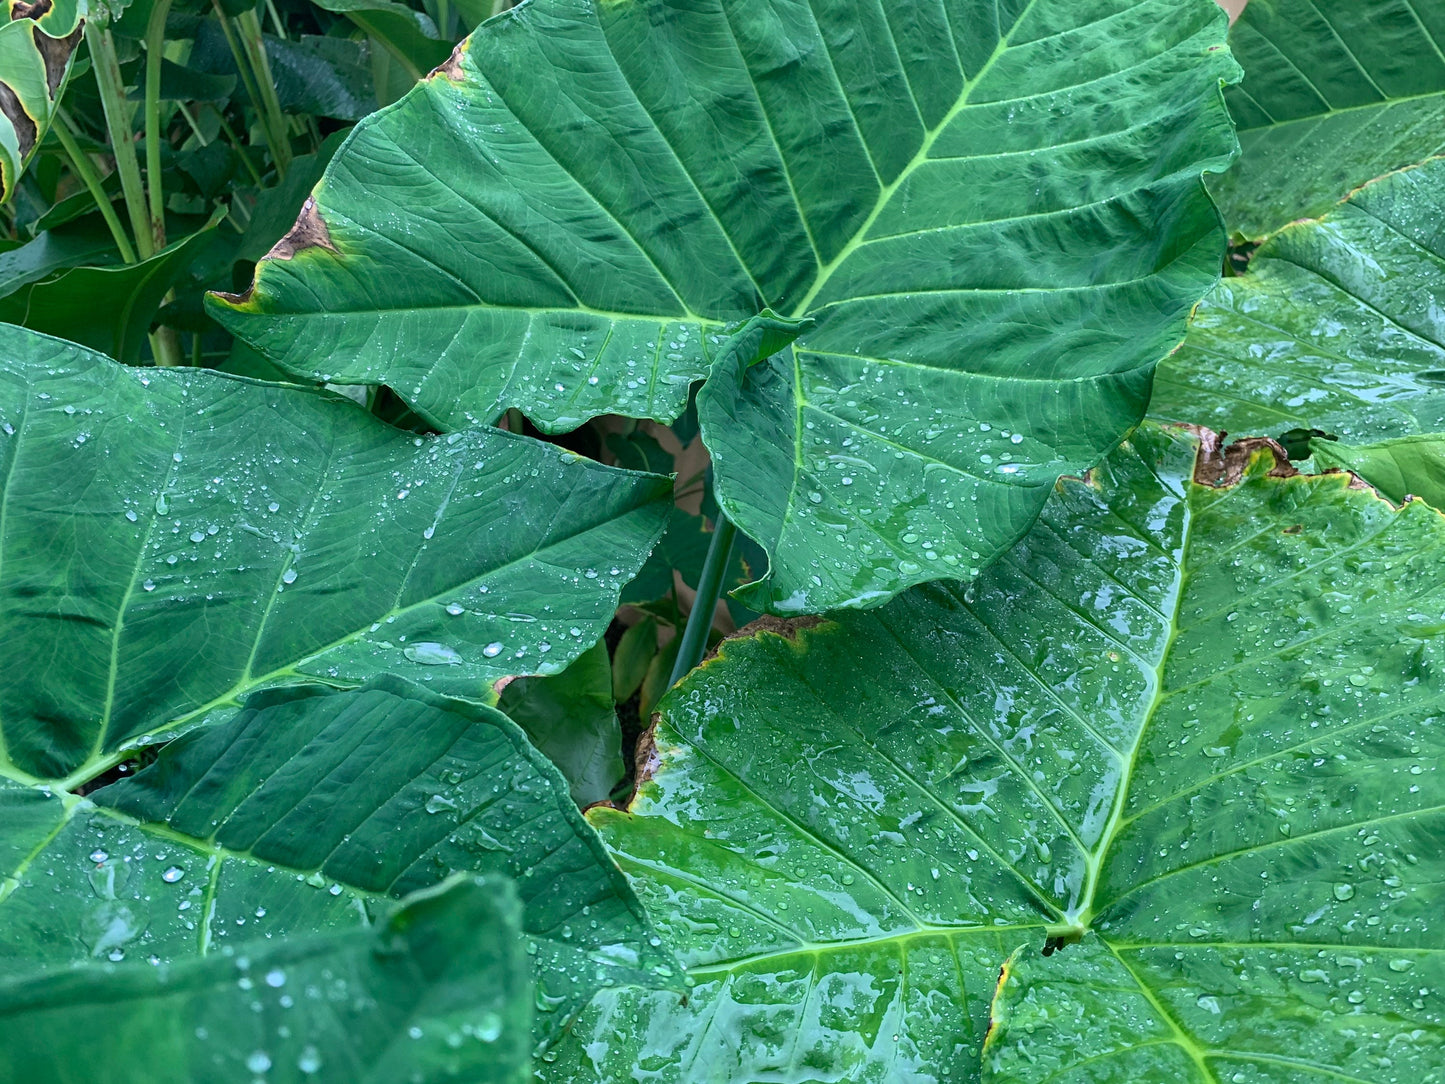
point(571, 718)
point(303, 814)
point(108, 308)
point(1199, 727)
point(991, 214)
point(1336, 326)
point(438, 991)
point(174, 539)
point(1335, 93)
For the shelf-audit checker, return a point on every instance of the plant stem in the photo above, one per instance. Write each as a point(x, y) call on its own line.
point(86, 172)
point(122, 141)
point(274, 135)
point(255, 44)
point(369, 27)
point(709, 588)
point(155, 180)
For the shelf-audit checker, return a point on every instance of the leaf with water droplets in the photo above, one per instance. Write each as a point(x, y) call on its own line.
point(990, 217)
point(1335, 330)
point(1335, 93)
point(304, 813)
point(215, 535)
point(1130, 753)
point(438, 990)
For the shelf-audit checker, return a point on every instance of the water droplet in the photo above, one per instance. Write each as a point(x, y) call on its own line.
point(276, 978)
point(456, 609)
point(172, 875)
point(1401, 965)
point(310, 1060)
point(289, 576)
point(1344, 891)
point(492, 650)
point(258, 1061)
point(429, 653)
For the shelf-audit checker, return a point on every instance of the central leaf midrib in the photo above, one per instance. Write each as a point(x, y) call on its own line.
point(1083, 913)
point(825, 273)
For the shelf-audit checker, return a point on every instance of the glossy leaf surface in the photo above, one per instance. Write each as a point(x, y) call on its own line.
point(991, 214)
point(438, 990)
point(1410, 466)
point(173, 539)
point(303, 814)
point(1336, 325)
point(1199, 727)
point(1335, 93)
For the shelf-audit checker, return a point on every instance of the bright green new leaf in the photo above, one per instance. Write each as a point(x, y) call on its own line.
point(170, 540)
point(1199, 728)
point(1335, 93)
point(304, 813)
point(35, 56)
point(1336, 326)
point(990, 215)
point(437, 991)
point(1410, 466)
point(571, 717)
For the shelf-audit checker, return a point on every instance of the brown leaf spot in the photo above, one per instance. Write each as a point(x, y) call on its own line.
point(451, 68)
point(20, 9)
point(1221, 466)
point(56, 54)
point(309, 232)
point(25, 130)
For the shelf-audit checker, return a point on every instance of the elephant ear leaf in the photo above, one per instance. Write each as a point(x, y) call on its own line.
point(36, 46)
point(182, 538)
point(437, 990)
point(1335, 93)
point(1152, 799)
point(991, 216)
point(1333, 341)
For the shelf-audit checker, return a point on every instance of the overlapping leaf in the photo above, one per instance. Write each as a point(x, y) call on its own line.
point(437, 991)
point(1336, 328)
point(1199, 728)
point(171, 540)
point(301, 815)
point(1335, 93)
point(991, 214)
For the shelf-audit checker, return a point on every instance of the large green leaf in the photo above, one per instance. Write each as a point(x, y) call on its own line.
point(1335, 93)
point(35, 55)
point(170, 540)
point(436, 992)
point(1336, 325)
point(990, 213)
point(1198, 727)
point(303, 814)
